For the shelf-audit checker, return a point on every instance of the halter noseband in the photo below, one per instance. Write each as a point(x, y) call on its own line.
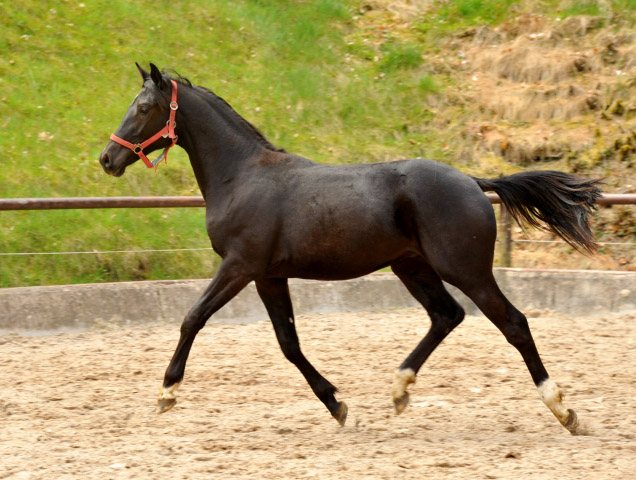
point(165, 132)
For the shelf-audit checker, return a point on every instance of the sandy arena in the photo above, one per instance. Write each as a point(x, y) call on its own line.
point(81, 405)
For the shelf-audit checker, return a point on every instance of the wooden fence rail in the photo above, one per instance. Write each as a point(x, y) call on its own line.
point(192, 201)
point(176, 202)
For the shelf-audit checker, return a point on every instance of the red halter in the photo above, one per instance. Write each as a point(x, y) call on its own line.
point(165, 132)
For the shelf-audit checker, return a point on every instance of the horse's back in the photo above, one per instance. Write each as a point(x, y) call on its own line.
point(354, 219)
point(430, 196)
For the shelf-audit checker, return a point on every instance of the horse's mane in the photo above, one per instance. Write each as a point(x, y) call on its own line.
point(181, 80)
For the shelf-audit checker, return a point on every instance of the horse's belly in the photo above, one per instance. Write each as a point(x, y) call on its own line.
point(334, 258)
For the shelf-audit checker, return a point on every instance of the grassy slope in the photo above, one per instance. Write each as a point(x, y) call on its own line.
point(334, 81)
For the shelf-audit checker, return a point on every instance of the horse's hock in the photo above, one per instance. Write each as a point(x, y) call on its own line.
point(69, 307)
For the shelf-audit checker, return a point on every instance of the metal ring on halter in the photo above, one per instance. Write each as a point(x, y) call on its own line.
point(137, 148)
point(174, 105)
point(167, 134)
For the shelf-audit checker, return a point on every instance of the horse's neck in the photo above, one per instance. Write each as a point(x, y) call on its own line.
point(219, 148)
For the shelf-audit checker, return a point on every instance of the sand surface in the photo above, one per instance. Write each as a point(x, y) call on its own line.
point(81, 405)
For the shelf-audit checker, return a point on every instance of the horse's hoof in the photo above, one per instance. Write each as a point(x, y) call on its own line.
point(166, 404)
point(403, 378)
point(401, 403)
point(573, 425)
point(341, 413)
point(167, 398)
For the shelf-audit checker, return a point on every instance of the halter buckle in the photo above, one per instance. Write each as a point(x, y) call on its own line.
point(167, 134)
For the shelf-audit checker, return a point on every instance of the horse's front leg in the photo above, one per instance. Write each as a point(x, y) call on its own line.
point(228, 282)
point(275, 296)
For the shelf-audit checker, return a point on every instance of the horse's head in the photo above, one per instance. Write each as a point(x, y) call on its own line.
point(147, 126)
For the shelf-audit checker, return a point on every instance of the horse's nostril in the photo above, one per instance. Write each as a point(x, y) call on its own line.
point(105, 160)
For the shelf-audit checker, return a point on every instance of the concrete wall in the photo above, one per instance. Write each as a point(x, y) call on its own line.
point(71, 307)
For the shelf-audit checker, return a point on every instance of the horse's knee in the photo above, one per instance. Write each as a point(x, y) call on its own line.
point(445, 320)
point(192, 323)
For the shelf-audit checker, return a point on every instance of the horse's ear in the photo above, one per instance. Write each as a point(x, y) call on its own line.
point(156, 76)
point(144, 75)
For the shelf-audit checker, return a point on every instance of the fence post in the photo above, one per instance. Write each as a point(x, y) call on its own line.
point(506, 231)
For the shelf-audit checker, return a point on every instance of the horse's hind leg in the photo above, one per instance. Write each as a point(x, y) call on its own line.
point(445, 314)
point(514, 325)
point(275, 295)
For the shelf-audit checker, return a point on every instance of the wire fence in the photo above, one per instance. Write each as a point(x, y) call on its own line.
point(602, 244)
point(6, 204)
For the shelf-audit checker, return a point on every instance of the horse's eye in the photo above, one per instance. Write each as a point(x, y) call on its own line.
point(143, 109)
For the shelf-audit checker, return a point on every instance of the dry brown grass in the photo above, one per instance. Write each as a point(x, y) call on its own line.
point(525, 60)
point(406, 10)
point(532, 103)
point(527, 145)
point(541, 87)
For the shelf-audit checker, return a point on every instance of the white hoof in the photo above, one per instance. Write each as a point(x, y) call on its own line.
point(403, 378)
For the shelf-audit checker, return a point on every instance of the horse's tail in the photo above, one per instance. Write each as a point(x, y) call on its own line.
point(561, 200)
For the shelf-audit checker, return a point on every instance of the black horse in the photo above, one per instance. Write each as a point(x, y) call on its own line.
point(272, 215)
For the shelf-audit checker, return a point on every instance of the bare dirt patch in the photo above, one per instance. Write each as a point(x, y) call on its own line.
point(81, 405)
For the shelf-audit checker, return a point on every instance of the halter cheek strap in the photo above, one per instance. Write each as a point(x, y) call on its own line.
point(165, 132)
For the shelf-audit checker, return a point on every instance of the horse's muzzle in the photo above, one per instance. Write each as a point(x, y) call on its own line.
point(107, 164)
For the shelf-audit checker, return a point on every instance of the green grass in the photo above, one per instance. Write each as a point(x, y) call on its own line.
point(582, 8)
point(303, 73)
point(476, 11)
point(400, 57)
point(67, 75)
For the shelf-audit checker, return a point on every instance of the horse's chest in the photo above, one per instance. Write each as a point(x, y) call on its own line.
point(238, 232)
point(219, 234)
